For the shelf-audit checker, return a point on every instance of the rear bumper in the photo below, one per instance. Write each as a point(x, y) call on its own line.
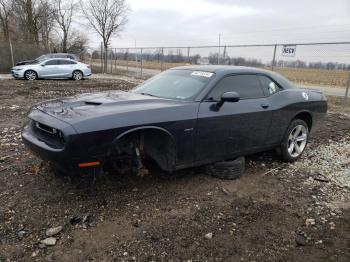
point(87, 72)
point(319, 115)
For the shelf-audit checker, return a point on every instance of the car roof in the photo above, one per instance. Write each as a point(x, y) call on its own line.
point(58, 58)
point(229, 69)
point(222, 68)
point(60, 54)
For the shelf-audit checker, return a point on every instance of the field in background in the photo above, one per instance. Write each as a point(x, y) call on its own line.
point(336, 104)
point(336, 78)
point(333, 78)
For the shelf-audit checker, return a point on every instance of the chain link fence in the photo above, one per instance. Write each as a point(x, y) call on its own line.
point(323, 66)
point(12, 53)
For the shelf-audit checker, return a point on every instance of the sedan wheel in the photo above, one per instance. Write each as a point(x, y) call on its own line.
point(295, 140)
point(30, 75)
point(77, 75)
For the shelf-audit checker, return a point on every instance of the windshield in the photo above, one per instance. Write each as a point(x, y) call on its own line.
point(41, 58)
point(175, 84)
point(38, 60)
point(34, 62)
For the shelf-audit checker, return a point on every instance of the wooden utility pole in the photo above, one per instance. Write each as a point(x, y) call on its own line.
point(346, 93)
point(219, 48)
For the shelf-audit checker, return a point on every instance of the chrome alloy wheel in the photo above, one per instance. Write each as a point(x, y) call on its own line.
point(297, 140)
point(30, 75)
point(77, 75)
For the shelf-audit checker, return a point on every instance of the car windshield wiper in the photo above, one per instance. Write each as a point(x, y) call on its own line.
point(147, 94)
point(210, 99)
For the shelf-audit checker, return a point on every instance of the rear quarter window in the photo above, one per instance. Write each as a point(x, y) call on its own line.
point(269, 86)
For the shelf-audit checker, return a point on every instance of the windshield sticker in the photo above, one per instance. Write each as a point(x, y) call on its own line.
point(200, 73)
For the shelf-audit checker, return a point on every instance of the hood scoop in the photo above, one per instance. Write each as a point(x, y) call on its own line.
point(68, 108)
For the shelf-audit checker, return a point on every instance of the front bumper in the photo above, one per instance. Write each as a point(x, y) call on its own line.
point(55, 141)
point(46, 151)
point(17, 74)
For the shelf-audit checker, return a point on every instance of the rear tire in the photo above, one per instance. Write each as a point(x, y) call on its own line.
point(228, 169)
point(77, 75)
point(30, 75)
point(294, 141)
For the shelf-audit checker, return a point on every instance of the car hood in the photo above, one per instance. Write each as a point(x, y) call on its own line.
point(18, 67)
point(110, 109)
point(22, 63)
point(27, 62)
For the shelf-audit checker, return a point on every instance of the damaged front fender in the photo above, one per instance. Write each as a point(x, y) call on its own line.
point(154, 144)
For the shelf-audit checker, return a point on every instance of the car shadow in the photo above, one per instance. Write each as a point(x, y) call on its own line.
point(129, 181)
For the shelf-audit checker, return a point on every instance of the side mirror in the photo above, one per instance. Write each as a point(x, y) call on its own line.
point(42, 65)
point(228, 97)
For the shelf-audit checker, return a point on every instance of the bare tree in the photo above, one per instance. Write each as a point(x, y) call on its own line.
point(77, 44)
point(5, 14)
point(31, 16)
point(46, 23)
point(105, 17)
point(64, 11)
point(30, 21)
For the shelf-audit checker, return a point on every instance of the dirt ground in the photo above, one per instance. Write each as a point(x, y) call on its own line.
point(275, 212)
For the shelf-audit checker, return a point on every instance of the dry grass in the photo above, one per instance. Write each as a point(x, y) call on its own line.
point(336, 104)
point(146, 64)
point(336, 78)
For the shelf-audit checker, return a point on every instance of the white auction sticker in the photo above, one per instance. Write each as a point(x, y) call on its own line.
point(201, 73)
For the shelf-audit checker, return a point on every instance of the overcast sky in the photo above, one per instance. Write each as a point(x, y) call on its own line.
point(199, 22)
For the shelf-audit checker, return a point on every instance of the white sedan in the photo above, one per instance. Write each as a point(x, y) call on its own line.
point(55, 68)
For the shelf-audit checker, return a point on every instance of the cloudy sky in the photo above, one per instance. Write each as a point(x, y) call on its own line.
point(199, 22)
point(174, 23)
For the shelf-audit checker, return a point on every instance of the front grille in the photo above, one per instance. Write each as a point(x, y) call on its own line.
point(46, 128)
point(49, 135)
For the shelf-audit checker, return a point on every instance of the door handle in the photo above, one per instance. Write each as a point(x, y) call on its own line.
point(265, 105)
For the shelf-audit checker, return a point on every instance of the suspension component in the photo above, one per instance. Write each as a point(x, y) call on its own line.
point(141, 170)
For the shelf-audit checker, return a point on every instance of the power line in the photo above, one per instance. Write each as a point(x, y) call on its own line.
point(298, 28)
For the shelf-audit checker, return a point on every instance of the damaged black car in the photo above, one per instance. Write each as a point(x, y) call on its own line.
point(184, 117)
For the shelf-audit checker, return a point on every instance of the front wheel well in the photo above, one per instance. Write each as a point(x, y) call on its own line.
point(30, 70)
point(305, 116)
point(154, 144)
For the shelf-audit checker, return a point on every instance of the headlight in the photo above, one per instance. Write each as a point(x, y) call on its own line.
point(17, 69)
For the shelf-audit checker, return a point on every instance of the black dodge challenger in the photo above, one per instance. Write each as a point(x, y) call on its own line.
point(184, 117)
